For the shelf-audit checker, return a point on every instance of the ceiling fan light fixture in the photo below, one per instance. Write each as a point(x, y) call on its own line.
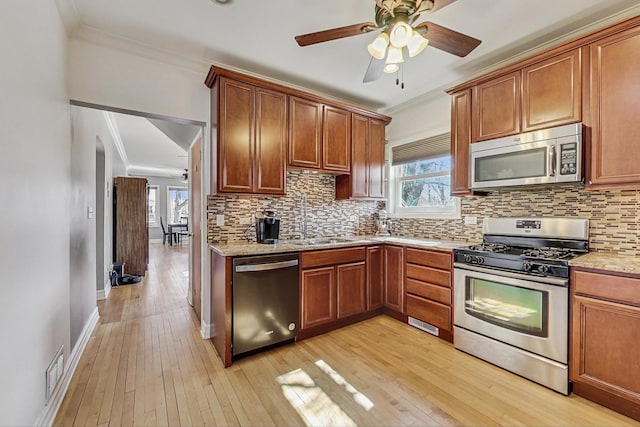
point(391, 68)
point(416, 44)
point(394, 55)
point(400, 34)
point(378, 47)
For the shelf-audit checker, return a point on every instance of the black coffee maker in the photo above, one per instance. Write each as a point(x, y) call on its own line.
point(267, 227)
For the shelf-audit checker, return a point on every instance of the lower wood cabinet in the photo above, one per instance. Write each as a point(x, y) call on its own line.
point(429, 289)
point(394, 279)
point(333, 287)
point(375, 277)
point(605, 340)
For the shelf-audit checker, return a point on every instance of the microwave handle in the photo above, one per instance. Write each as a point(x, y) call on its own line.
point(552, 160)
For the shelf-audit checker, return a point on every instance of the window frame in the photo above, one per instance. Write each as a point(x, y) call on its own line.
point(394, 191)
point(156, 222)
point(175, 187)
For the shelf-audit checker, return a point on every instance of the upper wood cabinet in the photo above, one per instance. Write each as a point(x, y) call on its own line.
point(552, 92)
point(366, 180)
point(541, 95)
point(496, 107)
point(460, 141)
point(251, 138)
point(615, 110)
point(320, 136)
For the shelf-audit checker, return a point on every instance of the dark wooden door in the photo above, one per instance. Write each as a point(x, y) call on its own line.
point(271, 142)
point(318, 296)
point(236, 133)
point(460, 142)
point(394, 278)
point(305, 133)
point(336, 140)
point(496, 107)
point(375, 277)
point(195, 195)
point(552, 92)
point(376, 167)
point(615, 83)
point(132, 232)
point(351, 289)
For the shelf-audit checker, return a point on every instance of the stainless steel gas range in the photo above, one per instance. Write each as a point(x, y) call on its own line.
point(511, 295)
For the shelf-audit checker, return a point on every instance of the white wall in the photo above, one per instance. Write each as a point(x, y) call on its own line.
point(88, 125)
point(421, 118)
point(34, 249)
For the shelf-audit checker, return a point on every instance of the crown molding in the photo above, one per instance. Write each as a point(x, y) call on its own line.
point(136, 170)
point(69, 14)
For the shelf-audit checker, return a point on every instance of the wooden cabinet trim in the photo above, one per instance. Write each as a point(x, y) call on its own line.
point(432, 312)
point(375, 277)
point(610, 287)
point(429, 275)
point(430, 291)
point(428, 258)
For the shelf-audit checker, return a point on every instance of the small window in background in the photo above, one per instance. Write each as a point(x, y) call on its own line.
point(422, 188)
point(177, 204)
point(153, 204)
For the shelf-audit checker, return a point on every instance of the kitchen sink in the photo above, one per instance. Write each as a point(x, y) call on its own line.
point(319, 241)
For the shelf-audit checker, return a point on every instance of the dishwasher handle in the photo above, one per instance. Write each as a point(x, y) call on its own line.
point(266, 267)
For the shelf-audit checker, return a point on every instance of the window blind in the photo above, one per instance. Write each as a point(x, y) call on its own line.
point(428, 148)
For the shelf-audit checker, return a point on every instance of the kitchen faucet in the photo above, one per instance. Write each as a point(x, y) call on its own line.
point(303, 208)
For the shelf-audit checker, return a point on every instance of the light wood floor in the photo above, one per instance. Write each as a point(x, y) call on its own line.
point(147, 365)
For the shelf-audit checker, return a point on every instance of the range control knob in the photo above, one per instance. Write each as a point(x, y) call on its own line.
point(467, 258)
point(480, 260)
point(527, 266)
point(542, 268)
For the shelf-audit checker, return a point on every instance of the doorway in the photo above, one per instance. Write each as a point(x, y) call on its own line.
point(126, 145)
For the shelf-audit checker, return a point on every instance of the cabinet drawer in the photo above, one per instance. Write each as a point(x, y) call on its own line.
point(430, 291)
point(434, 313)
point(427, 274)
point(429, 258)
point(607, 286)
point(331, 257)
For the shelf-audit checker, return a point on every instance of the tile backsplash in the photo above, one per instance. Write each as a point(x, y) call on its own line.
point(614, 214)
point(325, 215)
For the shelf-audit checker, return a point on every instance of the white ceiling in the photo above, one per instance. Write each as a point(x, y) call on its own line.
point(258, 36)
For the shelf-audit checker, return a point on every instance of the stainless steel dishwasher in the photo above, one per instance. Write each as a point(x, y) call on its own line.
point(266, 300)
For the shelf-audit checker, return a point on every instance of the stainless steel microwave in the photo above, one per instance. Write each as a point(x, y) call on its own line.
point(547, 156)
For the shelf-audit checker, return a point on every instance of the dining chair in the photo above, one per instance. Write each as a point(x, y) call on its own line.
point(173, 236)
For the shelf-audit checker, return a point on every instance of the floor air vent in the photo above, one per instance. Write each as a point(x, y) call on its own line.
point(424, 326)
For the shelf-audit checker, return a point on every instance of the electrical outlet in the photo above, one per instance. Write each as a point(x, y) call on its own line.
point(470, 220)
point(246, 221)
point(220, 220)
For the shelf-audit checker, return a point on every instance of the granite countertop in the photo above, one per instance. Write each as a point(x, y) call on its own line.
point(247, 248)
point(608, 262)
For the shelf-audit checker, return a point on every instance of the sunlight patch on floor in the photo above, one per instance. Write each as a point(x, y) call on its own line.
point(360, 398)
point(314, 406)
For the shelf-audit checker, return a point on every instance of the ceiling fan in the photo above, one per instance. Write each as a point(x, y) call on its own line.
point(395, 19)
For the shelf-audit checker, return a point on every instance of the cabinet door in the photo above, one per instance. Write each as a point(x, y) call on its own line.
point(236, 137)
point(376, 159)
point(460, 141)
point(351, 289)
point(551, 92)
point(375, 277)
point(360, 153)
point(496, 107)
point(605, 344)
point(318, 296)
point(336, 140)
point(615, 109)
point(271, 141)
point(305, 133)
point(394, 278)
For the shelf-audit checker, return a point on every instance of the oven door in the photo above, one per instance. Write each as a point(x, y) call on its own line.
point(514, 308)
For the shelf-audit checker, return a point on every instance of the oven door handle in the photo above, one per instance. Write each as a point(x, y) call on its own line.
point(542, 279)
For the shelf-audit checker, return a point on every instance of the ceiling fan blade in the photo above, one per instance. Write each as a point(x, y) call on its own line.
point(374, 70)
point(335, 33)
point(440, 4)
point(446, 39)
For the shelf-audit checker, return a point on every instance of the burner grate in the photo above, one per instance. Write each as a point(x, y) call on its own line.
point(490, 247)
point(550, 253)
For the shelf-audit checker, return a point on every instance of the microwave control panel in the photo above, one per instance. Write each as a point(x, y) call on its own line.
point(568, 158)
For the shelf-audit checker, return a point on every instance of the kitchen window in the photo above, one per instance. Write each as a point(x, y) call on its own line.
point(177, 204)
point(420, 180)
point(152, 203)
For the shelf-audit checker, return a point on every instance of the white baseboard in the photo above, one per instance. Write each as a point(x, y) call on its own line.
point(104, 293)
point(50, 411)
point(155, 240)
point(206, 330)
